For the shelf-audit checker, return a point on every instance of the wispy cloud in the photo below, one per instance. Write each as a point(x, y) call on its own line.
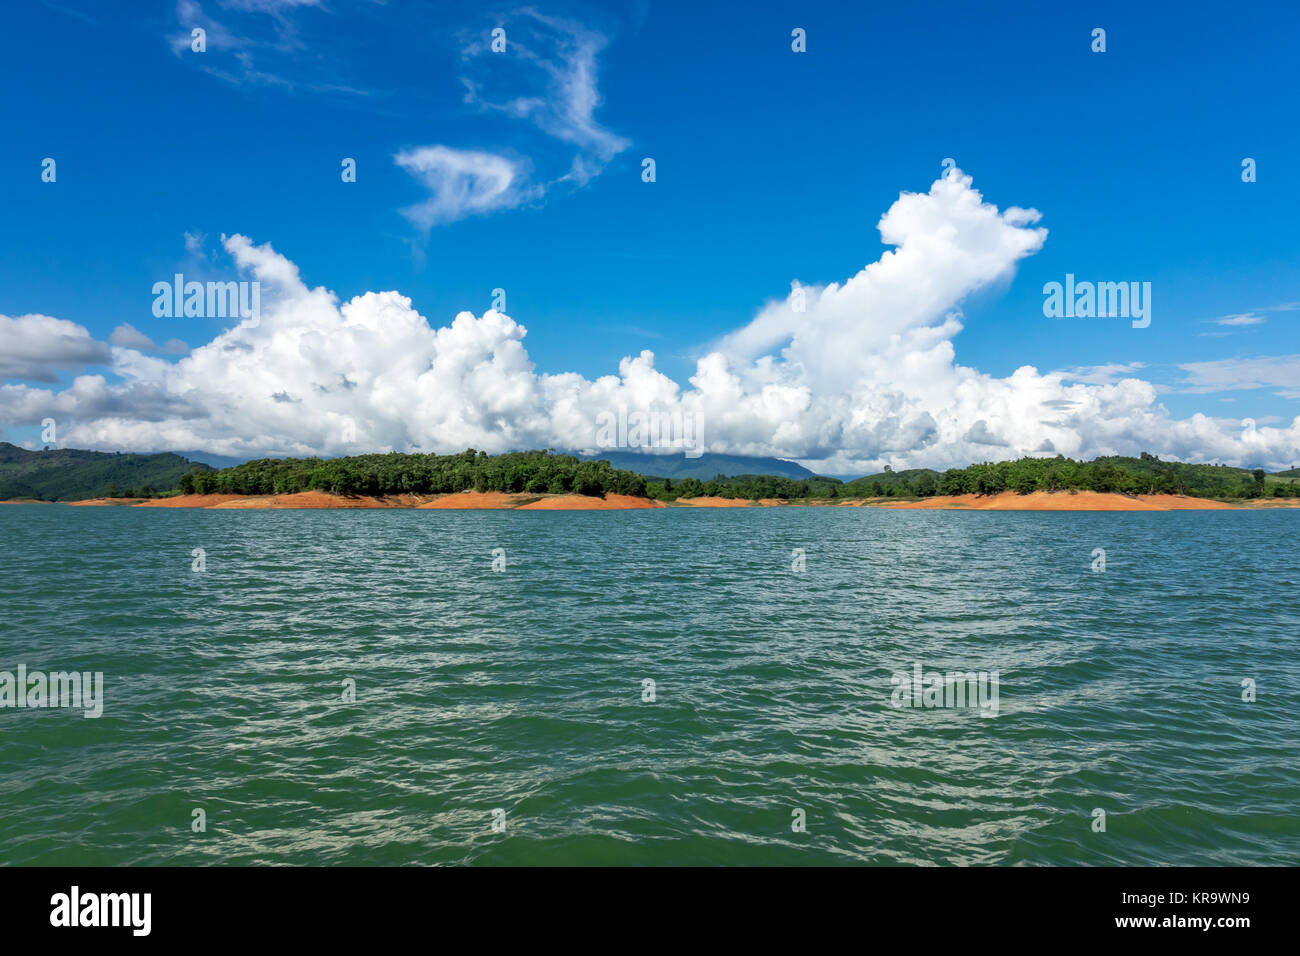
point(554, 84)
point(1248, 318)
point(462, 183)
point(546, 75)
point(1107, 374)
point(267, 31)
point(1267, 371)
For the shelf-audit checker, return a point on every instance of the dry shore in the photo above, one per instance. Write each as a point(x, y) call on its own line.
point(1064, 501)
point(464, 500)
point(496, 500)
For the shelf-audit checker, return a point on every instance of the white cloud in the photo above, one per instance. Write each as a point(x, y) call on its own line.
point(461, 183)
point(264, 45)
point(865, 375)
point(189, 15)
point(36, 347)
point(1245, 318)
point(557, 91)
point(1107, 374)
point(128, 336)
point(1239, 373)
point(547, 77)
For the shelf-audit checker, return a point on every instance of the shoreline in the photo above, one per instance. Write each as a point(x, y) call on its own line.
point(503, 501)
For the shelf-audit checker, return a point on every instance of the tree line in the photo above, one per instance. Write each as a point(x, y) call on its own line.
point(1144, 475)
point(545, 472)
point(750, 487)
point(536, 472)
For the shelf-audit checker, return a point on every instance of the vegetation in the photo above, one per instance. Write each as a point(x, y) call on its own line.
point(917, 482)
point(396, 473)
point(751, 487)
point(68, 474)
point(709, 464)
point(1144, 475)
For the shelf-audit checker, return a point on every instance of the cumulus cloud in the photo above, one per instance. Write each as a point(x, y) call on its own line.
point(979, 434)
point(36, 347)
point(130, 337)
point(846, 377)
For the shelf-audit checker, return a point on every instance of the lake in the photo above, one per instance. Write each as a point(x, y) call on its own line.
point(676, 686)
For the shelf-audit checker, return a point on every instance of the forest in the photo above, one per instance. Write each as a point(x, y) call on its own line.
point(68, 475)
point(538, 472)
point(750, 487)
point(1144, 475)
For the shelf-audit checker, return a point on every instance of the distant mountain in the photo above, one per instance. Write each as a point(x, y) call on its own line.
point(705, 467)
point(216, 461)
point(70, 474)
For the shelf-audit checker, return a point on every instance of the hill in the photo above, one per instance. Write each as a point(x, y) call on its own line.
point(71, 474)
point(707, 466)
point(913, 481)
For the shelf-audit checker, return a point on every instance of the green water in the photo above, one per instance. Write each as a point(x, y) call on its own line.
point(522, 690)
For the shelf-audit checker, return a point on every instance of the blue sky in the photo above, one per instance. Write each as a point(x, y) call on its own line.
point(771, 166)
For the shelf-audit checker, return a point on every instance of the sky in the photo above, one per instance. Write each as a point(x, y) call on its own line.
point(840, 259)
